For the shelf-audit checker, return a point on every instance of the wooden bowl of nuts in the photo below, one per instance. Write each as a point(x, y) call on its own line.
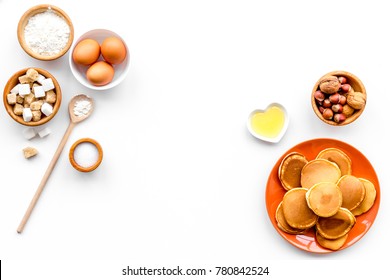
point(32, 96)
point(338, 98)
point(45, 32)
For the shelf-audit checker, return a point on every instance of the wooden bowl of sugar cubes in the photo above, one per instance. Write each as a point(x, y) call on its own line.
point(32, 96)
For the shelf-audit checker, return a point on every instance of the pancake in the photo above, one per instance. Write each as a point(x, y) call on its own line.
point(353, 191)
point(332, 244)
point(337, 225)
point(368, 200)
point(296, 212)
point(324, 199)
point(318, 171)
point(339, 157)
point(290, 170)
point(282, 223)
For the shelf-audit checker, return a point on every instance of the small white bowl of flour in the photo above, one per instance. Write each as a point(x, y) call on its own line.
point(45, 32)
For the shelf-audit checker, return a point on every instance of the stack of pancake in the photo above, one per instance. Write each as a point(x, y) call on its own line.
point(322, 194)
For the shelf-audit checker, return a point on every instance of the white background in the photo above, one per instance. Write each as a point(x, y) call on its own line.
point(182, 180)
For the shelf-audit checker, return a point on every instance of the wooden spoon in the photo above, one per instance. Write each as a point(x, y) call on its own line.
point(76, 116)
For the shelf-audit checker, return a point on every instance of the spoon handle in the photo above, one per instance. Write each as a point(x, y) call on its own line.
point(45, 177)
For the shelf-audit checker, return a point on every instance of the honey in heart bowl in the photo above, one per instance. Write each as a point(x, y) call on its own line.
point(270, 124)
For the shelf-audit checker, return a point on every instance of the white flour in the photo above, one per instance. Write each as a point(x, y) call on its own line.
point(82, 107)
point(47, 33)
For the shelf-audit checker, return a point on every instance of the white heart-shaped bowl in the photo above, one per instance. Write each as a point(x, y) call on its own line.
point(265, 138)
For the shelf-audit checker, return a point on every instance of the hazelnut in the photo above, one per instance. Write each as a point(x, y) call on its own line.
point(342, 80)
point(339, 118)
point(343, 99)
point(356, 100)
point(326, 103)
point(337, 108)
point(348, 110)
point(319, 96)
point(327, 114)
point(345, 87)
point(329, 84)
point(334, 98)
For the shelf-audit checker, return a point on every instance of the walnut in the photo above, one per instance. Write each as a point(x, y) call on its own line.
point(329, 84)
point(356, 100)
point(348, 110)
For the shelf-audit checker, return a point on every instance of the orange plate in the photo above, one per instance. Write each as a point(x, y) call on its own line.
point(361, 168)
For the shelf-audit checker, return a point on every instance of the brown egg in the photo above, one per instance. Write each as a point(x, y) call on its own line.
point(100, 73)
point(113, 50)
point(86, 52)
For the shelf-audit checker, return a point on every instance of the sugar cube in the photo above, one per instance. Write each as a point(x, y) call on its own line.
point(51, 96)
point(27, 114)
point(47, 109)
point(44, 132)
point(11, 98)
point(15, 89)
point(36, 105)
point(40, 78)
point(18, 109)
point(29, 133)
point(39, 91)
point(24, 79)
point(47, 84)
point(24, 89)
point(32, 74)
point(37, 115)
point(30, 152)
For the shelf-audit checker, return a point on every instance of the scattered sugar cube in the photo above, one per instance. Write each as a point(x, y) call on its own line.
point(29, 152)
point(40, 78)
point(11, 98)
point(47, 84)
point(44, 132)
point(27, 114)
point(15, 89)
point(46, 109)
point(29, 133)
point(39, 91)
point(24, 89)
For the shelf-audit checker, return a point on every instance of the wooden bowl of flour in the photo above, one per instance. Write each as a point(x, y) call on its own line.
point(45, 32)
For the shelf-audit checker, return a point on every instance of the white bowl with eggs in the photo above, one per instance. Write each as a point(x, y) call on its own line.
point(97, 75)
